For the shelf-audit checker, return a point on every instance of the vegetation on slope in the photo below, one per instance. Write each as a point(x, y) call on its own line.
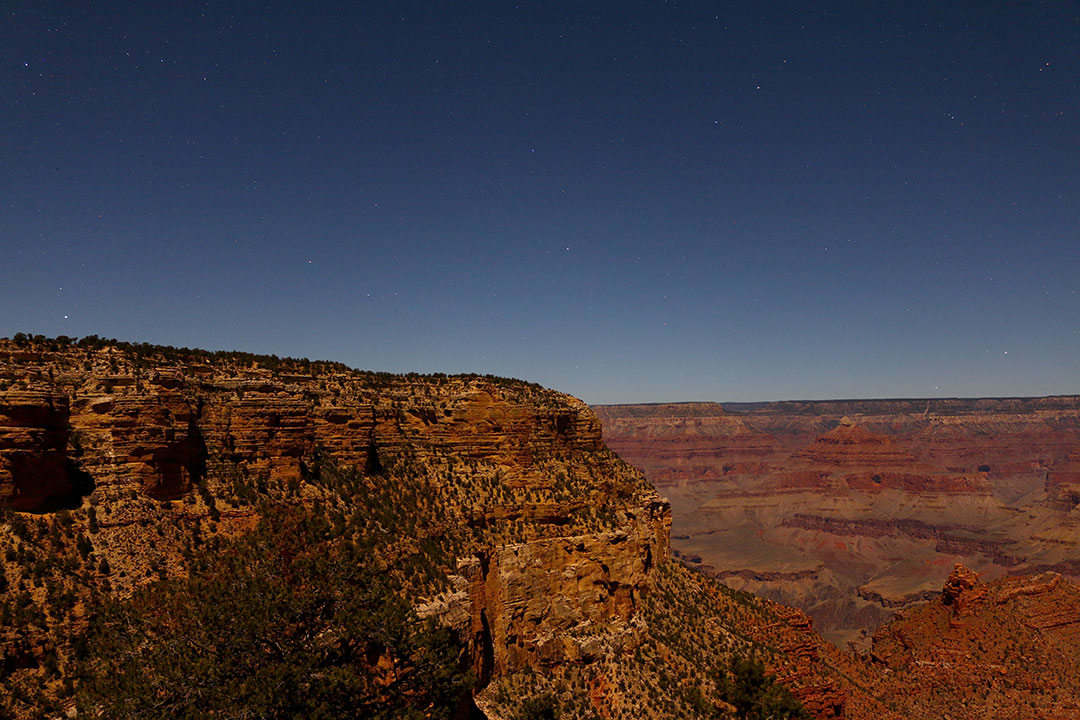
point(695, 661)
point(293, 620)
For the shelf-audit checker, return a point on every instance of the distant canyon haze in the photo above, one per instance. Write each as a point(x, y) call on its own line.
point(852, 510)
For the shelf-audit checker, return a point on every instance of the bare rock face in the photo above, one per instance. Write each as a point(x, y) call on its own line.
point(151, 443)
point(850, 510)
point(553, 601)
point(558, 600)
point(33, 450)
point(960, 580)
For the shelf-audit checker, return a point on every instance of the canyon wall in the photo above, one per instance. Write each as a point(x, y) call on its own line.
point(552, 538)
point(852, 509)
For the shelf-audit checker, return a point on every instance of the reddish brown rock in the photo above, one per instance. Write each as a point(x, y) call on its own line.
point(1007, 648)
point(850, 509)
point(960, 581)
point(34, 431)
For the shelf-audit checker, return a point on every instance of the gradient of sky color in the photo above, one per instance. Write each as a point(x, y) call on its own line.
point(628, 201)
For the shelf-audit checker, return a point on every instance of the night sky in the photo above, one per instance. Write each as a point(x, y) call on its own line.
point(627, 201)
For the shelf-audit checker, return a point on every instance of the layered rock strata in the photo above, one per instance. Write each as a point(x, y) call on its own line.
point(560, 538)
point(847, 509)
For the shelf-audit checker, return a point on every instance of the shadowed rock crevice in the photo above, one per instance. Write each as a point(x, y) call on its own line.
point(177, 466)
point(78, 485)
point(486, 651)
point(372, 464)
point(39, 472)
point(81, 486)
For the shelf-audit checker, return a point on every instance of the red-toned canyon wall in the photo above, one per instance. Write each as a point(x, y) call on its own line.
point(565, 533)
point(851, 509)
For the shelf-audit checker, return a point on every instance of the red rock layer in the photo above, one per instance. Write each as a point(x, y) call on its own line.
point(1008, 648)
point(129, 432)
point(846, 508)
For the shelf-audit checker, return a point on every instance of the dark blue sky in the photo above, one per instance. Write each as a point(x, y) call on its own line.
point(628, 201)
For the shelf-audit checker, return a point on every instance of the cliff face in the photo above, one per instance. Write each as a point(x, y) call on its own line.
point(553, 539)
point(34, 433)
point(556, 601)
point(848, 509)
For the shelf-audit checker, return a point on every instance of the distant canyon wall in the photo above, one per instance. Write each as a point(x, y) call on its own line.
point(852, 509)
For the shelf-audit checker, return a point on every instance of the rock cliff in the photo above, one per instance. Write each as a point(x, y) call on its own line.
point(552, 540)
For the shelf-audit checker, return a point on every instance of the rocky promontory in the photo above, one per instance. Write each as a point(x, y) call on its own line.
point(138, 448)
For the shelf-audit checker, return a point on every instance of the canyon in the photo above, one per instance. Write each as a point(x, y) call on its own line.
point(493, 508)
point(851, 510)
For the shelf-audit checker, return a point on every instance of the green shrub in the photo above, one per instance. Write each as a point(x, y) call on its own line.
point(756, 695)
point(544, 707)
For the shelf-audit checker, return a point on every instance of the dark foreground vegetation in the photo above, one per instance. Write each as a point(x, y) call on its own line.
point(290, 621)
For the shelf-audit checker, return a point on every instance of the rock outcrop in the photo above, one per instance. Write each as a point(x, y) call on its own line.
point(1006, 648)
point(959, 582)
point(556, 539)
point(555, 601)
